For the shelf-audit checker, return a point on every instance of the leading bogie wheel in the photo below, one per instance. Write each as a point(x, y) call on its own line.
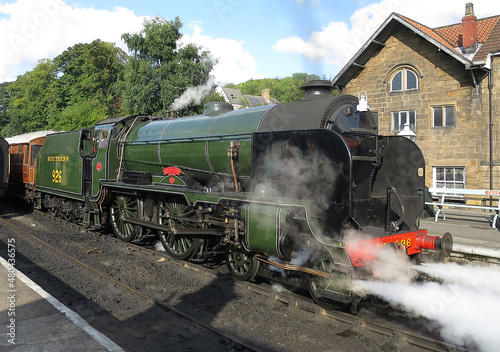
point(318, 283)
point(242, 265)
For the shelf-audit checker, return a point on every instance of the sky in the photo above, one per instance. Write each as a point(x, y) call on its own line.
point(251, 39)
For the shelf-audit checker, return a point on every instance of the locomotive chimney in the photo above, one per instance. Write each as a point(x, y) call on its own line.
point(317, 89)
point(469, 29)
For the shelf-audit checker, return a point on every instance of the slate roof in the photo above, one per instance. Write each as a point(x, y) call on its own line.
point(233, 95)
point(236, 97)
point(447, 38)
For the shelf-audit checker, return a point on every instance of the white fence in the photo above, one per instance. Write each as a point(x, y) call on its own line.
point(448, 194)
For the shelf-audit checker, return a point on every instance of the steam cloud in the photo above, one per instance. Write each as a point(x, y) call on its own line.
point(291, 172)
point(390, 265)
point(466, 305)
point(192, 95)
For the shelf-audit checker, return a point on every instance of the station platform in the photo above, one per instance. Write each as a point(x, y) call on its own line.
point(471, 230)
point(33, 320)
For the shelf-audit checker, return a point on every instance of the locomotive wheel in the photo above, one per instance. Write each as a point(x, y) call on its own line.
point(124, 206)
point(316, 283)
point(69, 217)
point(177, 246)
point(242, 266)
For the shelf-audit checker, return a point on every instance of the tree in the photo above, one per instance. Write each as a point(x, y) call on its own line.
point(255, 86)
point(160, 69)
point(32, 99)
point(91, 72)
point(80, 87)
point(4, 105)
point(288, 89)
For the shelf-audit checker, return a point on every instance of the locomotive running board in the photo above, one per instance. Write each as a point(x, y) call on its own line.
point(159, 227)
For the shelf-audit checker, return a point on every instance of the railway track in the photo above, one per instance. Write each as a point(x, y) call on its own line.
point(235, 342)
point(350, 325)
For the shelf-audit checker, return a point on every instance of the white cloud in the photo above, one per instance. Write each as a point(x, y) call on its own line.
point(36, 29)
point(338, 42)
point(234, 65)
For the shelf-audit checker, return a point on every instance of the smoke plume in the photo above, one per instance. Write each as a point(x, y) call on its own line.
point(192, 96)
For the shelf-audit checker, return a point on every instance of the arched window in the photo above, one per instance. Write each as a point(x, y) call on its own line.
point(404, 79)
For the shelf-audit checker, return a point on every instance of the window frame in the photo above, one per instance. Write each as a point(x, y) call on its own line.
point(447, 181)
point(413, 126)
point(404, 80)
point(444, 115)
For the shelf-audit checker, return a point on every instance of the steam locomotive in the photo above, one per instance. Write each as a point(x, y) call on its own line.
point(280, 189)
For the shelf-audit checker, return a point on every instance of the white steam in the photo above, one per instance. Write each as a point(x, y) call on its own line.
point(486, 277)
point(192, 96)
point(466, 305)
point(390, 264)
point(289, 171)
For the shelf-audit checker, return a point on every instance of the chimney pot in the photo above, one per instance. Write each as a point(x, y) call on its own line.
point(469, 9)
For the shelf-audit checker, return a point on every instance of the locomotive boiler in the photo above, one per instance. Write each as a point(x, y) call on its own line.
point(306, 192)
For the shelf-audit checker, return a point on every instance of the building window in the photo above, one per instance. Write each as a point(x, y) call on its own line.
point(448, 177)
point(399, 118)
point(443, 116)
point(404, 79)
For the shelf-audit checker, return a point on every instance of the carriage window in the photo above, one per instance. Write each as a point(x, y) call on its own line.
point(35, 149)
point(20, 155)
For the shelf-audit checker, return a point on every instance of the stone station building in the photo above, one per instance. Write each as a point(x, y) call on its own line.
point(445, 83)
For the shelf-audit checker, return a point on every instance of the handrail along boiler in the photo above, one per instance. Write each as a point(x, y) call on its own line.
point(273, 187)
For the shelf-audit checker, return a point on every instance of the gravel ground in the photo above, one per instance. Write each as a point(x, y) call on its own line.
point(215, 299)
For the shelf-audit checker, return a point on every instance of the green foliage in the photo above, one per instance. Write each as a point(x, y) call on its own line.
point(84, 113)
point(4, 106)
point(32, 99)
point(288, 89)
point(78, 88)
point(255, 86)
point(284, 90)
point(160, 70)
point(90, 72)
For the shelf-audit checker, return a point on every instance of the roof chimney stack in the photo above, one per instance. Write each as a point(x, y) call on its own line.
point(469, 27)
point(266, 93)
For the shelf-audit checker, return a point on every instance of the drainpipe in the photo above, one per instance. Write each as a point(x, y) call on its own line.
point(490, 93)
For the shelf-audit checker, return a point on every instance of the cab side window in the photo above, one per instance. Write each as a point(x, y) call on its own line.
point(103, 140)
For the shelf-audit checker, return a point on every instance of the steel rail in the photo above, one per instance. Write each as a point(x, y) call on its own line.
point(127, 289)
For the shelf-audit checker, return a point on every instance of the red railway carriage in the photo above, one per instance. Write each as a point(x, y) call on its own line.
point(23, 151)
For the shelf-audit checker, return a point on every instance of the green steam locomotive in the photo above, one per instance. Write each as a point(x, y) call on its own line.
point(304, 192)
